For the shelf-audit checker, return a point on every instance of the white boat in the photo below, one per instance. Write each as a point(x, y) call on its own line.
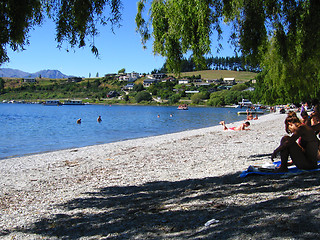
point(73, 102)
point(245, 103)
point(52, 103)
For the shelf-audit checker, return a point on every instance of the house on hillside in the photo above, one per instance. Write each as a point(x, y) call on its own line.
point(214, 81)
point(110, 75)
point(229, 81)
point(112, 94)
point(134, 75)
point(148, 82)
point(74, 79)
point(129, 86)
point(159, 76)
point(200, 84)
point(129, 77)
point(29, 80)
point(192, 92)
point(224, 87)
point(183, 81)
point(168, 79)
point(124, 78)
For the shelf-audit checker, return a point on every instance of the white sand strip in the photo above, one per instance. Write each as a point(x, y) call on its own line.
point(31, 186)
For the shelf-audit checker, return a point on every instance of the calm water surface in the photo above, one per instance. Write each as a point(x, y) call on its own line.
point(33, 128)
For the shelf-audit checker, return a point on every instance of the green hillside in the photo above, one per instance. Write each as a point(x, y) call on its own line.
point(217, 74)
point(109, 88)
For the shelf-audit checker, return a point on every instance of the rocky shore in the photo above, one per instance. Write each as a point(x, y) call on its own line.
point(178, 186)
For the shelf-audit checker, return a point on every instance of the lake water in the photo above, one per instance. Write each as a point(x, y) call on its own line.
point(34, 128)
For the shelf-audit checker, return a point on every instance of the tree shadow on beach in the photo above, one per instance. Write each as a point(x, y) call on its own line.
point(255, 207)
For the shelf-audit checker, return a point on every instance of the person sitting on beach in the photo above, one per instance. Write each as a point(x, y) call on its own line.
point(243, 126)
point(305, 118)
point(314, 118)
point(249, 117)
point(304, 155)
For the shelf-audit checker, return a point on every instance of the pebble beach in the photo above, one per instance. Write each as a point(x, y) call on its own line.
point(183, 185)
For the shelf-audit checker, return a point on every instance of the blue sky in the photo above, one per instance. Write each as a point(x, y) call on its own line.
point(120, 50)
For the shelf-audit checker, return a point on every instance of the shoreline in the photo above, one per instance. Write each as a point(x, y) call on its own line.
point(139, 188)
point(7, 153)
point(93, 145)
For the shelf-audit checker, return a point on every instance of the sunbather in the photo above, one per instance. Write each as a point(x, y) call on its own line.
point(243, 126)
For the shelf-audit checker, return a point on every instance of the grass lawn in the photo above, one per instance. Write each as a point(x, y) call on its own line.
point(217, 74)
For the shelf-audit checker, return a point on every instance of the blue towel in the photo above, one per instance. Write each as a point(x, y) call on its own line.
point(291, 170)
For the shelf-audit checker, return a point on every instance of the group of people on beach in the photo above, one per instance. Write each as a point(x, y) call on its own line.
point(302, 145)
point(242, 126)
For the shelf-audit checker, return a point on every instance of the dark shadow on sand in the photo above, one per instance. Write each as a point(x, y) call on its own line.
point(256, 207)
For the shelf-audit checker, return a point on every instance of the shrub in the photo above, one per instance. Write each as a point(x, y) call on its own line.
point(198, 97)
point(143, 96)
point(174, 98)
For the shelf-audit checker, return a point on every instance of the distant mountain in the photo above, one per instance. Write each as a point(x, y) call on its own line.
point(8, 72)
point(15, 73)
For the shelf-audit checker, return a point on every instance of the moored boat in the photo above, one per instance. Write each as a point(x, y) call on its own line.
point(183, 107)
point(73, 102)
point(52, 103)
point(245, 103)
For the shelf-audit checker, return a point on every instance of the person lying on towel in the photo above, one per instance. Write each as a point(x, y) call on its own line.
point(243, 126)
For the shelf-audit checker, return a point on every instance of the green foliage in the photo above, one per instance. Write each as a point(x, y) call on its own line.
point(283, 82)
point(16, 19)
point(235, 63)
point(138, 87)
point(45, 89)
point(227, 97)
point(197, 98)
point(174, 98)
point(282, 37)
point(162, 89)
point(153, 90)
point(239, 87)
point(216, 99)
point(179, 26)
point(290, 58)
point(122, 70)
point(75, 21)
point(143, 96)
point(1, 85)
point(126, 97)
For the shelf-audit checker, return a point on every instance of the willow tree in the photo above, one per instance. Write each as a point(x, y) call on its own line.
point(179, 26)
point(76, 21)
point(288, 30)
